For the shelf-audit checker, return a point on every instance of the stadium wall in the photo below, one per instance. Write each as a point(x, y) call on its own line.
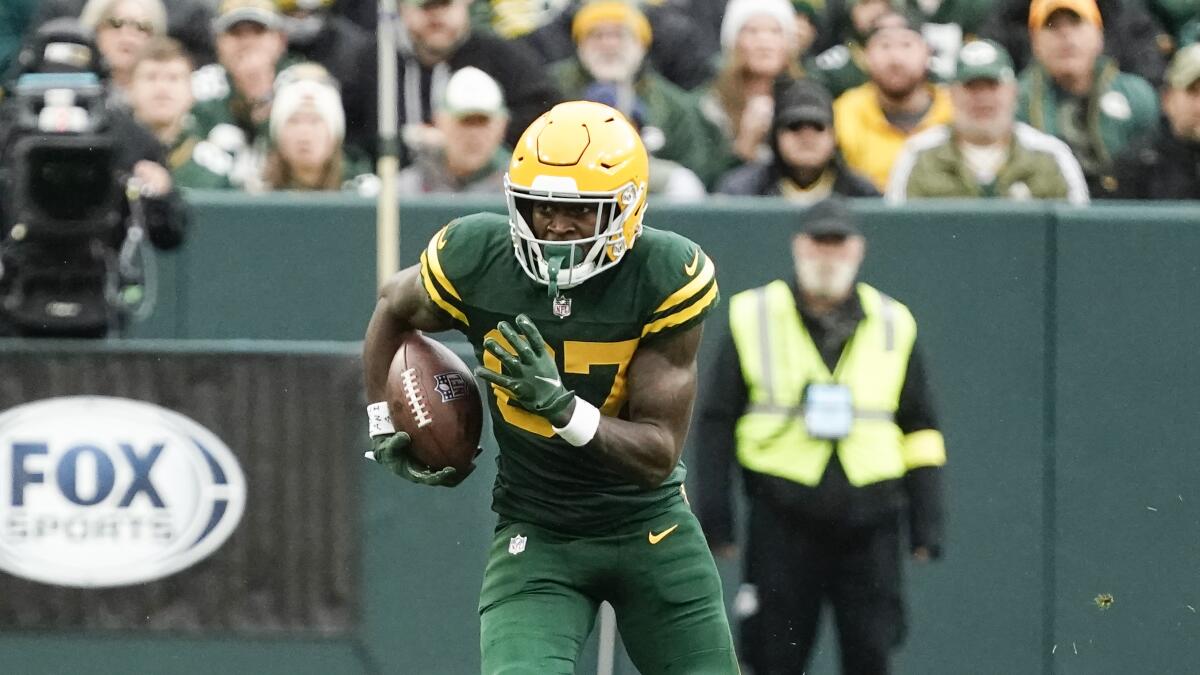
point(1062, 349)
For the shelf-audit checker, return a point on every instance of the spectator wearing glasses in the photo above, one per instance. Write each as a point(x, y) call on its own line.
point(122, 29)
point(806, 166)
point(186, 20)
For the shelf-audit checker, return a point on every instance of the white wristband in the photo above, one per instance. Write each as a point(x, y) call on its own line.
point(581, 429)
point(379, 419)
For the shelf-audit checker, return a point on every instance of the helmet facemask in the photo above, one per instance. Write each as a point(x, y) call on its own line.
point(564, 264)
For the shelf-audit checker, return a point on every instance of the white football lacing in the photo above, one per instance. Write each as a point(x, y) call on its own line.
point(416, 403)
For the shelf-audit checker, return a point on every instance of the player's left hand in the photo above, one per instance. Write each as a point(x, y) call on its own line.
point(533, 380)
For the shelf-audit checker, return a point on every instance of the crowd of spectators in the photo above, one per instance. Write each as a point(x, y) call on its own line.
point(1073, 100)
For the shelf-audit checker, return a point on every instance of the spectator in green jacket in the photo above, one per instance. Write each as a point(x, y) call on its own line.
point(985, 152)
point(160, 94)
point(844, 66)
point(612, 39)
point(234, 96)
point(1075, 93)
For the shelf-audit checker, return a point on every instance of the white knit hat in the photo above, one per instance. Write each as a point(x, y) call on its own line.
point(738, 12)
point(324, 98)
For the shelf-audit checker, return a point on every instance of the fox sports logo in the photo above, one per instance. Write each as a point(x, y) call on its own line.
point(98, 491)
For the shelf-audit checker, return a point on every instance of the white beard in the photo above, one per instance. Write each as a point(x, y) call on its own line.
point(829, 280)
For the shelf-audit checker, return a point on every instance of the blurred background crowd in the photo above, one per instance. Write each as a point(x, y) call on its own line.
point(1073, 100)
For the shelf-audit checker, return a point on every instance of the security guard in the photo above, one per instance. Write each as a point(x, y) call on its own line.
point(820, 393)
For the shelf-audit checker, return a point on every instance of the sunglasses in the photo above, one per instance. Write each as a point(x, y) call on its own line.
point(797, 126)
point(117, 23)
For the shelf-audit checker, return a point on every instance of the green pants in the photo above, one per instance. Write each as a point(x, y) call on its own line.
point(542, 589)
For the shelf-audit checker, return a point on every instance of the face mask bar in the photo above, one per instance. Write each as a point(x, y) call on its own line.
point(534, 254)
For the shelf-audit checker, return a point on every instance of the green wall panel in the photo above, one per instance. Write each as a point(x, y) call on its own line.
point(1128, 474)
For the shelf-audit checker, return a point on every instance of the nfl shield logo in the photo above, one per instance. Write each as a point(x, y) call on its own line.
point(562, 307)
point(450, 386)
point(517, 544)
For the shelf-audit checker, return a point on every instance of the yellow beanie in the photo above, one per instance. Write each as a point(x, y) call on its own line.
point(614, 11)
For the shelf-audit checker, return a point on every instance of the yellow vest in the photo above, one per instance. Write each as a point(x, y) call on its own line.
point(778, 358)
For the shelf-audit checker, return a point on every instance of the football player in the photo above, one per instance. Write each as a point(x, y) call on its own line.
point(587, 326)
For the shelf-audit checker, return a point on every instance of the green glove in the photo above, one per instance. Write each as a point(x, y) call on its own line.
point(391, 450)
point(533, 381)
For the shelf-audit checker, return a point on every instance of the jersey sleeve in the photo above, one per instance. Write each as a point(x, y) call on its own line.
point(685, 290)
point(448, 264)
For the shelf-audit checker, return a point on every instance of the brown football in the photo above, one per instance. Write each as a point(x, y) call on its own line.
point(433, 398)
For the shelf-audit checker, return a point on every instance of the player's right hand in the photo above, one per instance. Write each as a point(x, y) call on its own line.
point(391, 450)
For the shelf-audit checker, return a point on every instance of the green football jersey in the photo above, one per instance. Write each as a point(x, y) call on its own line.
point(665, 284)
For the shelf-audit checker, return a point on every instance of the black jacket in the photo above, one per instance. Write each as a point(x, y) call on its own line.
point(527, 87)
point(1131, 35)
point(761, 179)
point(1157, 165)
point(834, 500)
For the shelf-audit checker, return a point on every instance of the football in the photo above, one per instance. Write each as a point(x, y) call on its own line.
point(433, 398)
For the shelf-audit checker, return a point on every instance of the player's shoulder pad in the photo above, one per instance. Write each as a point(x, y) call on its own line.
point(455, 254)
point(682, 280)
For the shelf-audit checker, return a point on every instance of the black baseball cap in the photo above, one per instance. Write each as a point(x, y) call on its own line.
point(897, 19)
point(829, 218)
point(803, 101)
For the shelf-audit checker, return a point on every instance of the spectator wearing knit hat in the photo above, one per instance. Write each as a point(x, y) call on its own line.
point(1074, 92)
point(307, 129)
point(682, 50)
point(613, 38)
point(758, 51)
point(1165, 163)
point(465, 152)
point(806, 166)
point(985, 152)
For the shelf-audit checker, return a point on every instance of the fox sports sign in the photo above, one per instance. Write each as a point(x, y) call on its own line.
point(98, 491)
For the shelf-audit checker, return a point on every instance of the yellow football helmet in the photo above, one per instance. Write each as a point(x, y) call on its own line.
point(579, 151)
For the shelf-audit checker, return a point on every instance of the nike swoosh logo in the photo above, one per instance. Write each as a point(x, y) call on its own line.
point(655, 538)
point(690, 268)
point(556, 383)
point(441, 242)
